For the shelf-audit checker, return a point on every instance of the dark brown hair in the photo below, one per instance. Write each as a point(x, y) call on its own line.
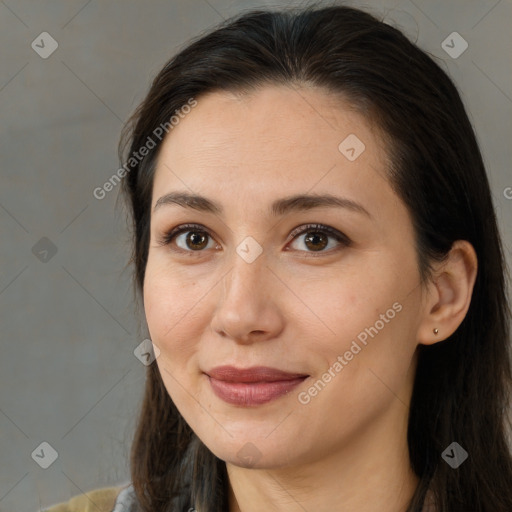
point(462, 385)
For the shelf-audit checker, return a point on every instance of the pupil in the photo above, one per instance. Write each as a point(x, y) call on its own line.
point(313, 237)
point(192, 238)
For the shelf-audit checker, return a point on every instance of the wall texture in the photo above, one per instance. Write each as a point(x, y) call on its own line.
point(71, 73)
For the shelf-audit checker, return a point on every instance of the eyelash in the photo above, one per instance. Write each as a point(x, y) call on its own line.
point(168, 237)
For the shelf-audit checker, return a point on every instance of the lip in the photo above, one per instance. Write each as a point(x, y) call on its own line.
point(252, 386)
point(254, 374)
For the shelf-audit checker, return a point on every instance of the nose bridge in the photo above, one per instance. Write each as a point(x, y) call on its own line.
point(244, 306)
point(249, 265)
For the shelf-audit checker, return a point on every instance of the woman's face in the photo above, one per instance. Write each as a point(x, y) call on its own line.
point(253, 286)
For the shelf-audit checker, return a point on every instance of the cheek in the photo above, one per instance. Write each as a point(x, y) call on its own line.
point(354, 299)
point(371, 314)
point(172, 323)
point(171, 308)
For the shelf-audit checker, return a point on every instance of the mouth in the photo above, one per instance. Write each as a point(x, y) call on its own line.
point(252, 386)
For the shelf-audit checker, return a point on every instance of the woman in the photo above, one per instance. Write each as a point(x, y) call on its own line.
point(322, 278)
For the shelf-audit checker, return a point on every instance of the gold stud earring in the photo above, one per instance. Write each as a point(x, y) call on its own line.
point(436, 331)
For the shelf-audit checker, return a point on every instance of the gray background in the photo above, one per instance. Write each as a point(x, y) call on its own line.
point(68, 327)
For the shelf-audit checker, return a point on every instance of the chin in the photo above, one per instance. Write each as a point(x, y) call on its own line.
point(256, 454)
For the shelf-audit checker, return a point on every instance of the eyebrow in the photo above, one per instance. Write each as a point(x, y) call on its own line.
point(294, 203)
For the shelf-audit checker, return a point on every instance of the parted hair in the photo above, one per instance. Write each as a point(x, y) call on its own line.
point(462, 387)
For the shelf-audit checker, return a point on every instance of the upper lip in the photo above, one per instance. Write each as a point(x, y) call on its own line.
point(253, 374)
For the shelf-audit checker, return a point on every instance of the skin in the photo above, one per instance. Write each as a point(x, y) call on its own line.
point(297, 306)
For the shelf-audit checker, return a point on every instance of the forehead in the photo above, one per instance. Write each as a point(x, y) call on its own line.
point(280, 135)
point(254, 153)
point(297, 115)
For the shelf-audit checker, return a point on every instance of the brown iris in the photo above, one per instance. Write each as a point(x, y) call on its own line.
point(198, 240)
point(312, 237)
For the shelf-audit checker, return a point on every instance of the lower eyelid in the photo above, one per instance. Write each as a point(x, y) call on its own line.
point(341, 238)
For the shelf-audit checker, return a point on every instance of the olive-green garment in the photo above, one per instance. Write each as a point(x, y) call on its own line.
point(98, 500)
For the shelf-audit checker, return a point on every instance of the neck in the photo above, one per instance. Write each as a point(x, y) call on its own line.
point(371, 472)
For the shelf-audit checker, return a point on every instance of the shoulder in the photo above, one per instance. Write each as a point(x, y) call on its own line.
point(97, 500)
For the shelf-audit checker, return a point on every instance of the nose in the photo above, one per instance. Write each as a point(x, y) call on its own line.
point(248, 309)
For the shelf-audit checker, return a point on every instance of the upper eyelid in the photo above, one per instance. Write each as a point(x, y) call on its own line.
point(341, 237)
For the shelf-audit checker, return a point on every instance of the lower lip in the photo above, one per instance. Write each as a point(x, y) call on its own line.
point(247, 394)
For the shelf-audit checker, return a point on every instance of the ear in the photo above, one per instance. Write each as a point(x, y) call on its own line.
point(448, 295)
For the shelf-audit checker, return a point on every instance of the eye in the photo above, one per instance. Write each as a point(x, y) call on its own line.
point(194, 241)
point(318, 235)
point(196, 237)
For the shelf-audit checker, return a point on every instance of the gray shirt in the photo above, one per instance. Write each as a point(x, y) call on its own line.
point(126, 501)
